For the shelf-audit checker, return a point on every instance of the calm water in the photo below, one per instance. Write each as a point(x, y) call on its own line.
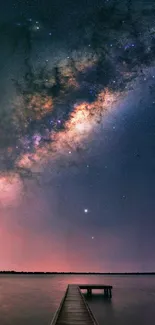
point(32, 300)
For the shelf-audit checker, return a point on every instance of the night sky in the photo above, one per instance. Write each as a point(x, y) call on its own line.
point(77, 135)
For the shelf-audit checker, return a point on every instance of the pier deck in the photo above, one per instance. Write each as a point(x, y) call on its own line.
point(107, 289)
point(73, 309)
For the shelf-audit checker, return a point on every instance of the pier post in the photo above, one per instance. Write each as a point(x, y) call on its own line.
point(89, 291)
point(107, 293)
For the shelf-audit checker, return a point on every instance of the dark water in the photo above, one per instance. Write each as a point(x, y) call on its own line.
point(32, 300)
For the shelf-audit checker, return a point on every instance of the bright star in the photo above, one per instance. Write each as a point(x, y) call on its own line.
point(85, 210)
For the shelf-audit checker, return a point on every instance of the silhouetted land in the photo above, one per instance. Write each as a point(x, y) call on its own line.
point(79, 273)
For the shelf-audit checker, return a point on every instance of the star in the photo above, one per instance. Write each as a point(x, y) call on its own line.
point(86, 210)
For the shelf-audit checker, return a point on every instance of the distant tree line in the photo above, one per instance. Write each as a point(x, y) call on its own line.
point(82, 273)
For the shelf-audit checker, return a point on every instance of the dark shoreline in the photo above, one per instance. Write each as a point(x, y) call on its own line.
point(79, 273)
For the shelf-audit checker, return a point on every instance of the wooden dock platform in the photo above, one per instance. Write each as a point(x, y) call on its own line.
point(106, 288)
point(73, 309)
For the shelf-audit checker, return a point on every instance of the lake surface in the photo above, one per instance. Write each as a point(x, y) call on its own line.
point(33, 300)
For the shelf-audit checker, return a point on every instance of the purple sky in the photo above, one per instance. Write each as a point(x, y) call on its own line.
point(77, 166)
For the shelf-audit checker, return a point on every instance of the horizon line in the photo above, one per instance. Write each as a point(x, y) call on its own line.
point(72, 272)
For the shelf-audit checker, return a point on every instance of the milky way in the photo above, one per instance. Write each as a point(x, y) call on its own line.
point(59, 104)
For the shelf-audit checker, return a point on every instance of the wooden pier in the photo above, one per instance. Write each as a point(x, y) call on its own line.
point(73, 309)
point(107, 289)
